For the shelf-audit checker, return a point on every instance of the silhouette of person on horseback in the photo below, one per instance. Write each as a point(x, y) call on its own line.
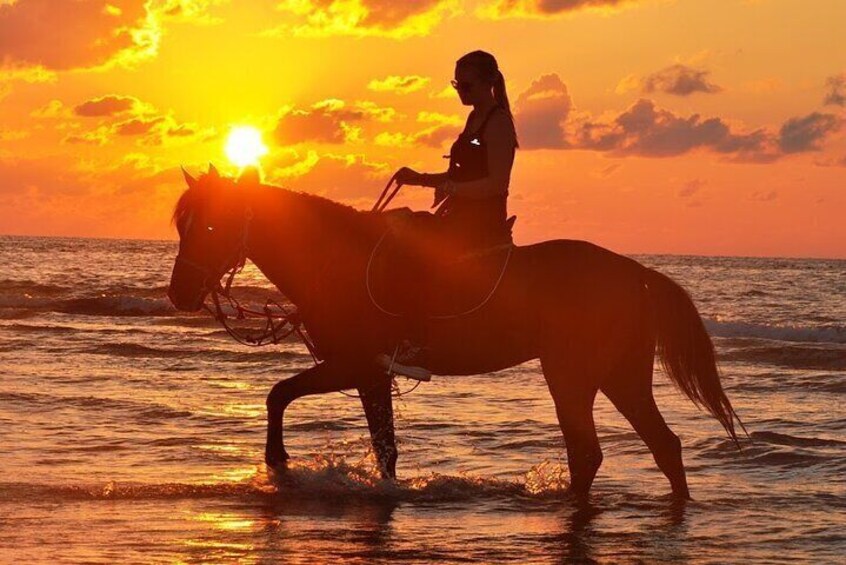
point(471, 195)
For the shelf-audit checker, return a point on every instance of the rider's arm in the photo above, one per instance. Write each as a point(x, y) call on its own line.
point(499, 139)
point(434, 180)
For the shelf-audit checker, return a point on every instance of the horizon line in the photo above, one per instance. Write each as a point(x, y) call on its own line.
point(639, 253)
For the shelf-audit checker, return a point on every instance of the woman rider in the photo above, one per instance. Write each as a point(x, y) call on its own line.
point(472, 192)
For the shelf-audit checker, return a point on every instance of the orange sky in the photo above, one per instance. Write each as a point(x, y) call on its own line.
point(660, 126)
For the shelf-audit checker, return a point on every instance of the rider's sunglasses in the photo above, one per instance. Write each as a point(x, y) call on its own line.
point(461, 84)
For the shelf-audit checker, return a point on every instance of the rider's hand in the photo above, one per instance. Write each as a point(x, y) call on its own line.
point(408, 176)
point(442, 192)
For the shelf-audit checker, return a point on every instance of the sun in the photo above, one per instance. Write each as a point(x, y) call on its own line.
point(244, 146)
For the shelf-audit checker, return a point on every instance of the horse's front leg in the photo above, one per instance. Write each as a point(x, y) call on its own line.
point(378, 408)
point(320, 379)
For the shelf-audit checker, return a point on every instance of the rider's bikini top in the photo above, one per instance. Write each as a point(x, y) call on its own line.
point(468, 156)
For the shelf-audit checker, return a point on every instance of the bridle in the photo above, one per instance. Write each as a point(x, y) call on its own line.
point(279, 321)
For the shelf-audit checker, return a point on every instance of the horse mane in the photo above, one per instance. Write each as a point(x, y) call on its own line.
point(208, 186)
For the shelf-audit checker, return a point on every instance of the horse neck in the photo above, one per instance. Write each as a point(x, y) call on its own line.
point(300, 242)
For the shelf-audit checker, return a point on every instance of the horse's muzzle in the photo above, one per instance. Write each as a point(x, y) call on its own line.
point(187, 289)
point(185, 304)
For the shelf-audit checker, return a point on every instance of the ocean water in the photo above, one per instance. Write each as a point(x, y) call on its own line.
point(134, 434)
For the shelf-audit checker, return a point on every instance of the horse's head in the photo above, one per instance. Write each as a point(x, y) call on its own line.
point(212, 220)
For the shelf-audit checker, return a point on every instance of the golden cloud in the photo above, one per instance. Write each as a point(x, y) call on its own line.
point(111, 105)
point(53, 109)
point(438, 118)
point(60, 36)
point(328, 121)
point(347, 178)
point(398, 84)
point(537, 9)
point(383, 18)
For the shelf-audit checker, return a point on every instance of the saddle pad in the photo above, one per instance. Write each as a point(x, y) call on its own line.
point(457, 282)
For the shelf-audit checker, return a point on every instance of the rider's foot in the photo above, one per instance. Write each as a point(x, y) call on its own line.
point(408, 360)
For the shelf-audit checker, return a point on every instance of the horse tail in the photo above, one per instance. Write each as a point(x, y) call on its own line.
point(686, 351)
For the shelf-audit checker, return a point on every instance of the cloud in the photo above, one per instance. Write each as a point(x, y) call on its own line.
point(384, 18)
point(547, 119)
point(540, 113)
point(52, 109)
point(446, 92)
point(161, 130)
point(836, 94)
point(438, 118)
point(351, 178)
point(99, 136)
point(63, 35)
point(500, 9)
point(124, 117)
point(110, 105)
point(137, 126)
point(328, 121)
point(11, 72)
point(25, 73)
point(398, 84)
point(647, 131)
point(437, 136)
point(444, 128)
point(434, 136)
point(48, 194)
point(67, 35)
point(808, 132)
point(680, 80)
point(191, 11)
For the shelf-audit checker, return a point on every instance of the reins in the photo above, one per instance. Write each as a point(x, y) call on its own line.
point(279, 322)
point(380, 205)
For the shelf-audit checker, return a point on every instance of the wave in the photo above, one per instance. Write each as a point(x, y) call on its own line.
point(324, 477)
point(762, 451)
point(827, 334)
point(116, 306)
point(786, 439)
point(152, 302)
point(17, 307)
point(140, 411)
point(29, 289)
point(135, 350)
point(791, 356)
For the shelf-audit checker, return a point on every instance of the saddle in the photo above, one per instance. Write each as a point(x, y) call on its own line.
point(416, 255)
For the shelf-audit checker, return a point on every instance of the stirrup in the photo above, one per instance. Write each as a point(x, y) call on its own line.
point(392, 367)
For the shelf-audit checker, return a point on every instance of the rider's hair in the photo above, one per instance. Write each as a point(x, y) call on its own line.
point(486, 67)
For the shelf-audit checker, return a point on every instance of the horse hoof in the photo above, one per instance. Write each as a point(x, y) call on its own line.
point(277, 463)
point(578, 496)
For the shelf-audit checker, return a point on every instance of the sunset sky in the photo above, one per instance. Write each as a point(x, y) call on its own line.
point(646, 126)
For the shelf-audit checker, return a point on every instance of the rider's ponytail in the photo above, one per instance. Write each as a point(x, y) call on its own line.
point(501, 98)
point(486, 66)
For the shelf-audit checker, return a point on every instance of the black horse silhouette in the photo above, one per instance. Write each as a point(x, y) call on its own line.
point(594, 318)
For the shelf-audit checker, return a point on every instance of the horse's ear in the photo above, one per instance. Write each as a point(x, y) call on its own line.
point(189, 180)
point(213, 171)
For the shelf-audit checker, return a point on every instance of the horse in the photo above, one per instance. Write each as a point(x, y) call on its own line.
point(594, 318)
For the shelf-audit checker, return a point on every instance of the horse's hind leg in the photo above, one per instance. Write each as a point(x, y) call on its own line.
point(630, 390)
point(378, 408)
point(574, 408)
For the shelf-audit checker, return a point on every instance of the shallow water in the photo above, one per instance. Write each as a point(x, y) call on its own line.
point(132, 433)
